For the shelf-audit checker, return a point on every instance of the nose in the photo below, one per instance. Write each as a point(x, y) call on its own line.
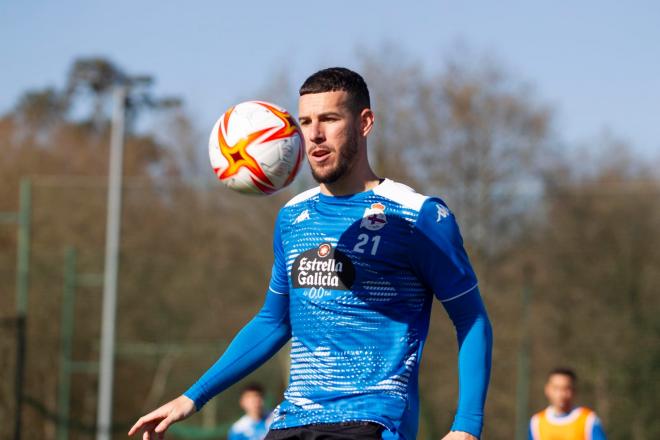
point(315, 133)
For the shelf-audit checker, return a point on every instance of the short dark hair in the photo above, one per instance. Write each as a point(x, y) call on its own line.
point(336, 79)
point(253, 387)
point(563, 371)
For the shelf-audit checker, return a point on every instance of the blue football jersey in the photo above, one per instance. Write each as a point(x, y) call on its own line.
point(361, 272)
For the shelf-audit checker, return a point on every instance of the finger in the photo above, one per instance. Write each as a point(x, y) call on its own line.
point(136, 427)
point(152, 417)
point(162, 427)
point(149, 427)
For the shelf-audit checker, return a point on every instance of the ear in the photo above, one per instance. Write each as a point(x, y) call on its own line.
point(367, 119)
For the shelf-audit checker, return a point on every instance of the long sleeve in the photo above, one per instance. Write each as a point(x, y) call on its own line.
point(475, 341)
point(438, 256)
point(597, 432)
point(257, 342)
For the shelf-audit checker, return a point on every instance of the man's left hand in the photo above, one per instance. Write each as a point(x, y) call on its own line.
point(459, 435)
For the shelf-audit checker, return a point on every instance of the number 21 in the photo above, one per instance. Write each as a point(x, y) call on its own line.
point(363, 239)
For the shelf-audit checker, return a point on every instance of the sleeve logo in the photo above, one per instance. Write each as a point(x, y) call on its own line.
point(302, 217)
point(443, 212)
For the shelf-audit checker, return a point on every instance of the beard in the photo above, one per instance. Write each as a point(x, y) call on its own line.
point(344, 162)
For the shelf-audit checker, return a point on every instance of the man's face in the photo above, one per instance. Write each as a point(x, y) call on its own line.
point(560, 391)
point(252, 403)
point(331, 134)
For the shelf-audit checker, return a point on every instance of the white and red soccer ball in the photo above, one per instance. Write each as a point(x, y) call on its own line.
point(256, 147)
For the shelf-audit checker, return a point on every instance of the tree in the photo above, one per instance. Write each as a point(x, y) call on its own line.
point(598, 253)
point(94, 78)
point(469, 132)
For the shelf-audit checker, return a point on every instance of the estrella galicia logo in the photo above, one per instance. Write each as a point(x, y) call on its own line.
point(323, 266)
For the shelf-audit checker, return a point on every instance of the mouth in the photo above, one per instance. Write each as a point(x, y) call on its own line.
point(320, 155)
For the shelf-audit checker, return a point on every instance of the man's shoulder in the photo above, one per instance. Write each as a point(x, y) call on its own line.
point(297, 210)
point(302, 197)
point(575, 414)
point(395, 192)
point(538, 414)
point(401, 194)
point(242, 425)
point(590, 414)
point(425, 211)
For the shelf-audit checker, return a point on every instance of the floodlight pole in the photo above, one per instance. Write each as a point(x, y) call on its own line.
point(113, 223)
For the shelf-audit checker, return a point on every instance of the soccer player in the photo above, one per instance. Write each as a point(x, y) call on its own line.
point(254, 424)
point(562, 420)
point(358, 261)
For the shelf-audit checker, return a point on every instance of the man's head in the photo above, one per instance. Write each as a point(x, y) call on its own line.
point(252, 400)
point(335, 118)
point(560, 388)
point(339, 79)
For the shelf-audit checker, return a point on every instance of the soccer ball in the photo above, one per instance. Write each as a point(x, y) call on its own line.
point(256, 147)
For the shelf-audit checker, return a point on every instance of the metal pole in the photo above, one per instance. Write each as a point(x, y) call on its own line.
point(66, 343)
point(113, 223)
point(23, 251)
point(22, 286)
point(522, 386)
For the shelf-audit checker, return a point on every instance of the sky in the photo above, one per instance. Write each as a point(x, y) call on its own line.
point(597, 63)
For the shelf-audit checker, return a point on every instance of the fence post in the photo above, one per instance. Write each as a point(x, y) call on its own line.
point(66, 344)
point(522, 386)
point(22, 286)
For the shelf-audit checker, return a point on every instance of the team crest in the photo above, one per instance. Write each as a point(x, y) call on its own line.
point(374, 217)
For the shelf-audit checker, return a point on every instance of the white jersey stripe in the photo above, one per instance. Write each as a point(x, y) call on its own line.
point(534, 426)
point(303, 196)
point(589, 426)
point(401, 194)
point(460, 294)
point(276, 292)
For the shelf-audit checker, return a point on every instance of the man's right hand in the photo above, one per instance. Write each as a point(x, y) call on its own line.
point(156, 422)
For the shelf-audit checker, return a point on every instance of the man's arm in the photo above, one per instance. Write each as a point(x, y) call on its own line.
point(233, 434)
point(257, 342)
point(253, 345)
point(440, 260)
point(475, 341)
point(530, 429)
point(597, 432)
point(260, 339)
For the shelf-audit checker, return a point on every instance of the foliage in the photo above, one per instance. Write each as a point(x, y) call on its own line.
point(195, 258)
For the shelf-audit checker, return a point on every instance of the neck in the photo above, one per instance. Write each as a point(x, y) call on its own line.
point(254, 415)
point(359, 179)
point(336, 189)
point(562, 410)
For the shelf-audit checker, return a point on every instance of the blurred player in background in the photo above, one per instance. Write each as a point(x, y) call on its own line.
point(255, 423)
point(562, 420)
point(358, 261)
